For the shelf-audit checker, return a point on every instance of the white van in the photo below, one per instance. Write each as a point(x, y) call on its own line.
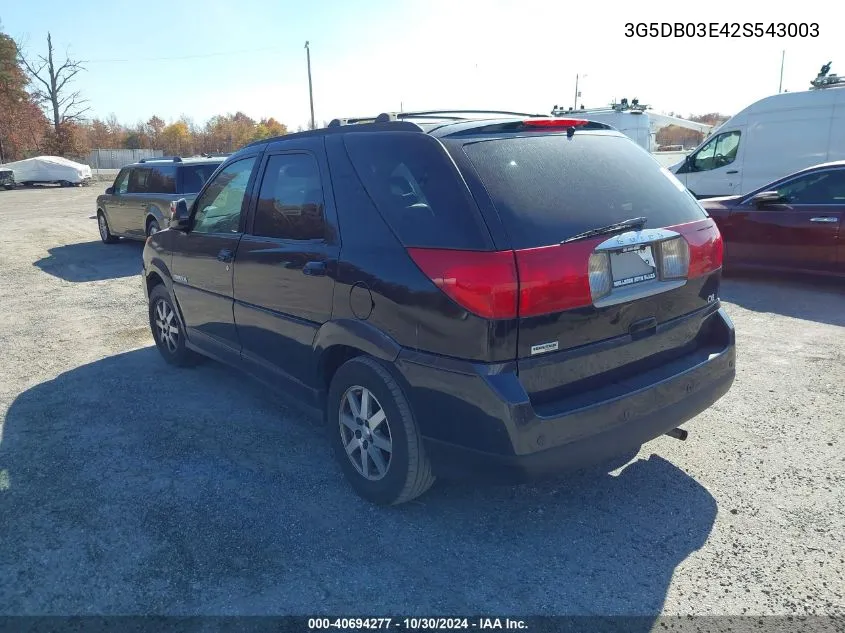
point(769, 139)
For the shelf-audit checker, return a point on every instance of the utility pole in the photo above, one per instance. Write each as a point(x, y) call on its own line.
point(310, 90)
point(575, 107)
point(780, 86)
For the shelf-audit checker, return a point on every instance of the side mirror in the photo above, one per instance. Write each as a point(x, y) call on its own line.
point(767, 198)
point(180, 215)
point(110, 191)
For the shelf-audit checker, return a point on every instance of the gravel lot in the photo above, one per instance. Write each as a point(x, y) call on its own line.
point(127, 486)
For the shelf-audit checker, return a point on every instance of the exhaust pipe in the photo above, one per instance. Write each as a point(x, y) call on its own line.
point(678, 434)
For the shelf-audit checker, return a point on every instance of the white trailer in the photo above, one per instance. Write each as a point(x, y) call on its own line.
point(634, 121)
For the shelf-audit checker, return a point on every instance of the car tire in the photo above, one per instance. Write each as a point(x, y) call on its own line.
point(168, 330)
point(9, 187)
point(379, 450)
point(152, 227)
point(105, 231)
point(65, 183)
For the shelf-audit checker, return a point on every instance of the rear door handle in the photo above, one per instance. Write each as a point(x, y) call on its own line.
point(732, 171)
point(314, 269)
point(825, 219)
point(225, 255)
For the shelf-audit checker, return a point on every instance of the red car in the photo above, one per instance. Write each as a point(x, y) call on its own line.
point(792, 224)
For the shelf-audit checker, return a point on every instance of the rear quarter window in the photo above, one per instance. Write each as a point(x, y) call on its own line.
point(417, 189)
point(195, 176)
point(162, 179)
point(548, 188)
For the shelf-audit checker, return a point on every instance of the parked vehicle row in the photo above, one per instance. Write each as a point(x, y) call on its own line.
point(773, 137)
point(436, 288)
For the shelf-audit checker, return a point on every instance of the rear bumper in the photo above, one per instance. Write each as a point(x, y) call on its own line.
point(480, 423)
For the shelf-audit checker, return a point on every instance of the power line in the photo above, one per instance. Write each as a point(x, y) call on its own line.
point(197, 56)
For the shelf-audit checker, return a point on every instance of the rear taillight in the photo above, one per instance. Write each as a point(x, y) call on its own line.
point(674, 258)
point(554, 278)
point(483, 282)
point(705, 246)
point(172, 208)
point(536, 281)
point(601, 280)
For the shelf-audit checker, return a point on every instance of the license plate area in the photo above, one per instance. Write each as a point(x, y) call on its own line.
point(632, 265)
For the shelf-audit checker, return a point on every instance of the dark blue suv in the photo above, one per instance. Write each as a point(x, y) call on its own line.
point(496, 295)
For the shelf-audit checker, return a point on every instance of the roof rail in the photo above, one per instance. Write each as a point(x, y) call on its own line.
point(438, 115)
point(162, 159)
point(212, 155)
point(450, 114)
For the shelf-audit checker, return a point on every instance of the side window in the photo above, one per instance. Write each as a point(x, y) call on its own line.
point(826, 187)
point(290, 204)
point(162, 179)
point(718, 152)
point(417, 189)
point(121, 183)
point(726, 148)
point(138, 179)
point(219, 207)
point(195, 176)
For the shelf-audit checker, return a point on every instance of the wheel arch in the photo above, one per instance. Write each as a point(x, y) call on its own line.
point(153, 212)
point(339, 341)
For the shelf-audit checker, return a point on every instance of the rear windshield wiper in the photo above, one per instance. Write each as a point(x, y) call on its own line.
point(631, 223)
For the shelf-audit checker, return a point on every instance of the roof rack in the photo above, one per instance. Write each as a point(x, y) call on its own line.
point(437, 115)
point(634, 107)
point(826, 80)
point(162, 159)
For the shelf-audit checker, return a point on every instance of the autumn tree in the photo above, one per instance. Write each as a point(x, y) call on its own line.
point(268, 128)
point(22, 124)
point(155, 126)
point(52, 88)
point(175, 137)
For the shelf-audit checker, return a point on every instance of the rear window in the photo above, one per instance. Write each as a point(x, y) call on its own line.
point(417, 189)
point(548, 188)
point(195, 176)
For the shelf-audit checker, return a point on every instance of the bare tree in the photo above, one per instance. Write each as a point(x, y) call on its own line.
point(65, 106)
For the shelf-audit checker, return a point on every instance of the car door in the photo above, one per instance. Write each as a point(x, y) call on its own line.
point(801, 231)
point(715, 169)
point(134, 202)
point(114, 204)
point(285, 265)
point(203, 259)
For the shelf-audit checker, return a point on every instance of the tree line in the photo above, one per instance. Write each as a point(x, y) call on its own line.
point(41, 113)
point(675, 135)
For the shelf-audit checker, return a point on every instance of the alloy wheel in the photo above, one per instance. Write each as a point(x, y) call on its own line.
point(365, 432)
point(104, 229)
point(168, 326)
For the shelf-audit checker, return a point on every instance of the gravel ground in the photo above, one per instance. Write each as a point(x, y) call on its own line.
point(128, 486)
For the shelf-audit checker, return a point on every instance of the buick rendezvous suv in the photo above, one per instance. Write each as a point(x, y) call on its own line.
point(490, 295)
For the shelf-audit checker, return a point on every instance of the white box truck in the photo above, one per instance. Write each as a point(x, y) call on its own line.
point(769, 139)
